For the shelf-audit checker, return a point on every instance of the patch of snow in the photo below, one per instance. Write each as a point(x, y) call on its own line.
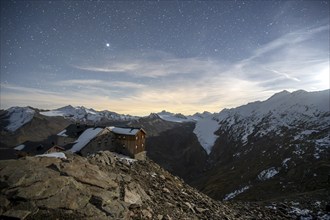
point(235, 193)
point(62, 133)
point(302, 135)
point(267, 174)
point(237, 154)
point(19, 116)
point(317, 204)
point(85, 138)
point(204, 130)
point(271, 207)
point(300, 212)
point(55, 154)
point(285, 162)
point(324, 142)
point(321, 146)
point(294, 203)
point(168, 116)
point(323, 217)
point(124, 158)
point(316, 155)
point(53, 113)
point(20, 147)
point(298, 150)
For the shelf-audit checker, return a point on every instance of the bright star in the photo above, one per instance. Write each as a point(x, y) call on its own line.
point(108, 45)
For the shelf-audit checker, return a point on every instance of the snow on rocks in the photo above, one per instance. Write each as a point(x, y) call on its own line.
point(267, 174)
point(168, 116)
point(19, 116)
point(204, 131)
point(62, 133)
point(285, 162)
point(55, 155)
point(322, 146)
point(125, 159)
point(282, 110)
point(235, 193)
point(83, 114)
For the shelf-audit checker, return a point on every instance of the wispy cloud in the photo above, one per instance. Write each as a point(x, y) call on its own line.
point(163, 81)
point(290, 39)
point(165, 66)
point(99, 83)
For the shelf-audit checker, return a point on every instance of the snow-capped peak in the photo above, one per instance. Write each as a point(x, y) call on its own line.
point(283, 109)
point(80, 113)
point(19, 116)
point(179, 118)
point(168, 116)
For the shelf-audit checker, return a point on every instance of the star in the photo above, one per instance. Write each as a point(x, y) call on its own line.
point(107, 44)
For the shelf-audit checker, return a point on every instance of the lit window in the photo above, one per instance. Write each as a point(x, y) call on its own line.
point(135, 146)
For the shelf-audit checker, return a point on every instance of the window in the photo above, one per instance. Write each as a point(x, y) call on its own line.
point(136, 147)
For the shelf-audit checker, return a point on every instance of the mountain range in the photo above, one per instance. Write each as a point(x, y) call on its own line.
point(273, 149)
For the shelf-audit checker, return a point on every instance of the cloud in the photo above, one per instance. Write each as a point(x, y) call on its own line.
point(99, 83)
point(161, 67)
point(290, 39)
point(291, 60)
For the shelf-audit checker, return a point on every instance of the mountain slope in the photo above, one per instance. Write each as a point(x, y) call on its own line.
point(282, 110)
point(20, 124)
point(39, 128)
point(14, 118)
point(86, 115)
point(106, 186)
point(270, 149)
point(17, 117)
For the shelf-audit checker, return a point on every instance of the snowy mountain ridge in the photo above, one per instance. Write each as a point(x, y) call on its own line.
point(19, 116)
point(16, 117)
point(83, 114)
point(180, 118)
point(282, 110)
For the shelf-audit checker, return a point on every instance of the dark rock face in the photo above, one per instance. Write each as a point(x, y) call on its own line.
point(106, 186)
point(178, 151)
point(38, 129)
point(235, 165)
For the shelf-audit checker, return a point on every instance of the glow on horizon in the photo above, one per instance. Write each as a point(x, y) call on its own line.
point(141, 57)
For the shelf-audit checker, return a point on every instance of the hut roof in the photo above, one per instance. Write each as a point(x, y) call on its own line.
point(125, 130)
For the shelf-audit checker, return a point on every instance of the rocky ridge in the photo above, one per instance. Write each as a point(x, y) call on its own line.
point(106, 186)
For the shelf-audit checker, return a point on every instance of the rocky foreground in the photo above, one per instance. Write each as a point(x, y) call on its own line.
point(106, 186)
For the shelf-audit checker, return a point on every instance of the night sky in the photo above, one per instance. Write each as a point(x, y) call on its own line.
point(139, 57)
